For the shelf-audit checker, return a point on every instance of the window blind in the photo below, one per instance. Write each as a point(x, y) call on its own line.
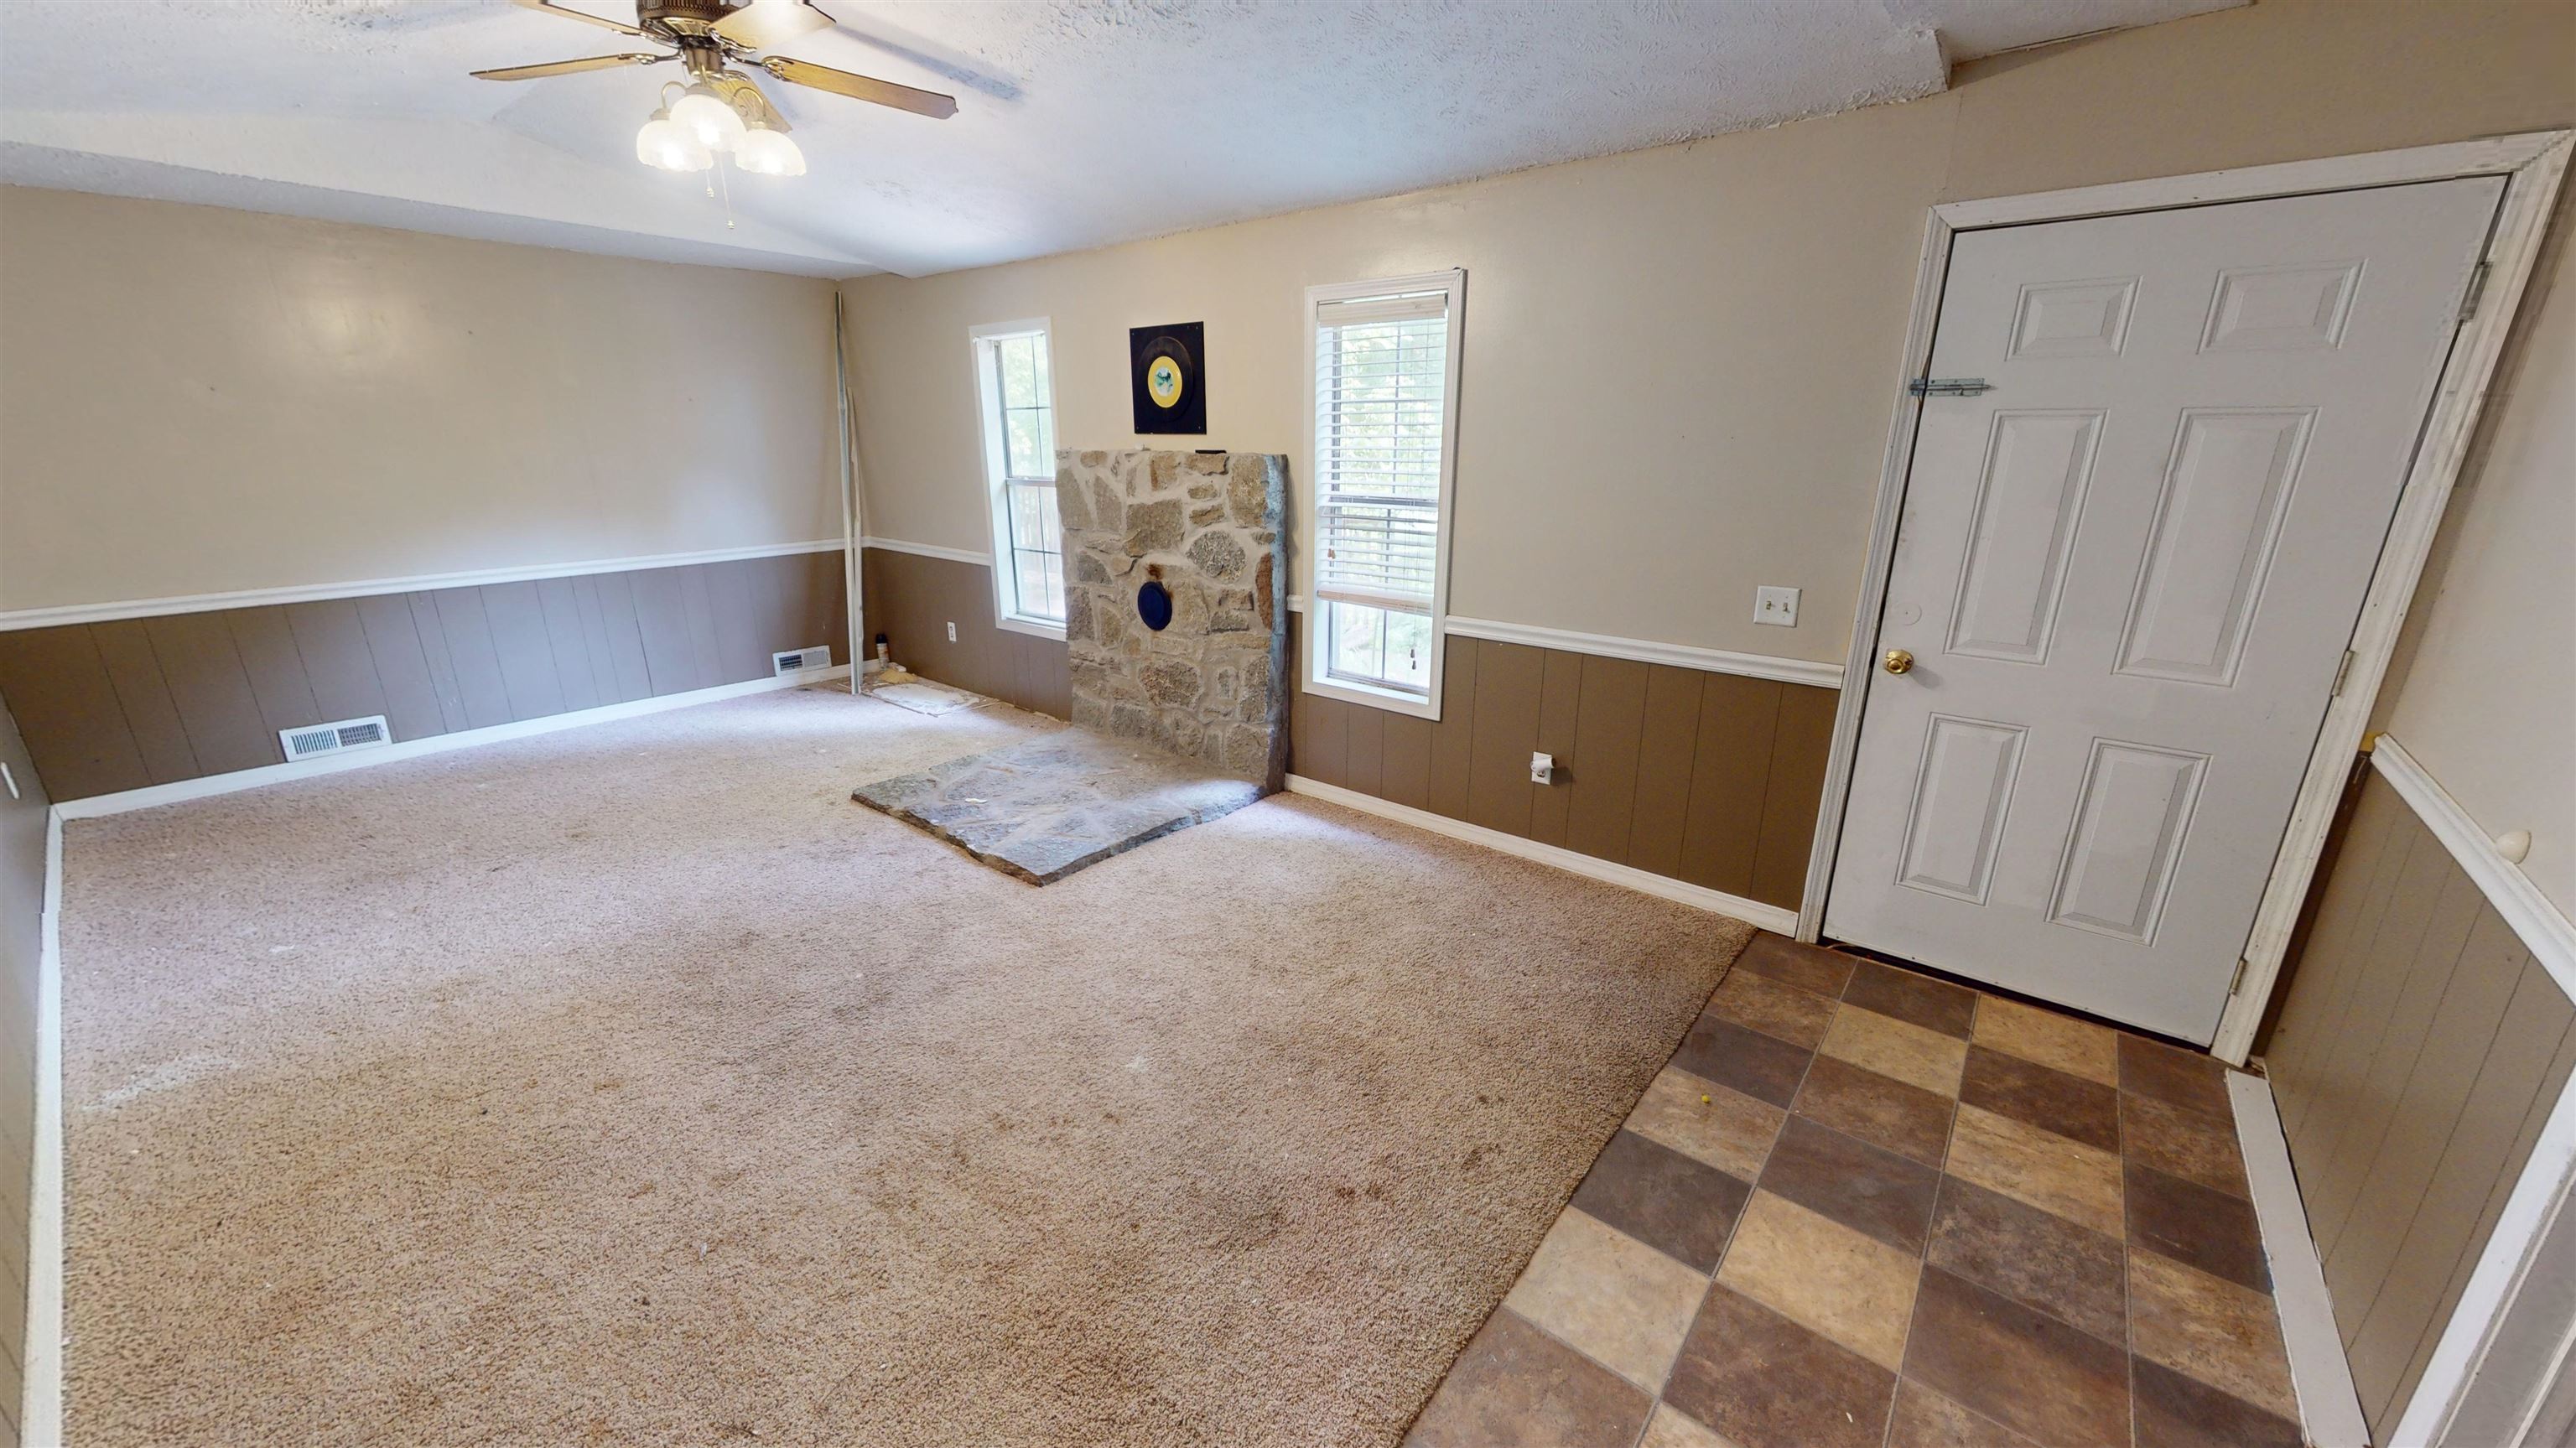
point(1381, 383)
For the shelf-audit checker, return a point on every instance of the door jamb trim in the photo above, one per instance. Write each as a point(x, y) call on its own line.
point(2533, 164)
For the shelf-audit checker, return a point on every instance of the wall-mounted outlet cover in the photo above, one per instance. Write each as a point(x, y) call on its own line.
point(1542, 768)
point(952, 630)
point(1775, 606)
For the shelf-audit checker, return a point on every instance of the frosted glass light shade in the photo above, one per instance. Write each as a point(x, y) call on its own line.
point(764, 152)
point(666, 145)
point(704, 115)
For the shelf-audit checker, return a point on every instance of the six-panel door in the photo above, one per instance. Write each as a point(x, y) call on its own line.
point(2127, 576)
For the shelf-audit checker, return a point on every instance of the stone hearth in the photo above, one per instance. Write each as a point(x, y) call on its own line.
point(1044, 809)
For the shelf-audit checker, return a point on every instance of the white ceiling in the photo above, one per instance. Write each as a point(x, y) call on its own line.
point(1080, 122)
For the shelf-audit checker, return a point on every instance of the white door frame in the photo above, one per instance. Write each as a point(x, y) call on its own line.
point(2532, 163)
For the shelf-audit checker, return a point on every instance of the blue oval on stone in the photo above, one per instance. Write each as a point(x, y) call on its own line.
point(1154, 606)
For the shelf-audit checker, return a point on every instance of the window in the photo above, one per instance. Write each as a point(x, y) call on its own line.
point(1384, 364)
point(1019, 466)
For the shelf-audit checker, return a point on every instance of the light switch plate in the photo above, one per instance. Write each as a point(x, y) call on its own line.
point(1776, 606)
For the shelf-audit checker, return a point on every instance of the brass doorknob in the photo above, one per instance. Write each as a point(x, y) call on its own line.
point(1897, 661)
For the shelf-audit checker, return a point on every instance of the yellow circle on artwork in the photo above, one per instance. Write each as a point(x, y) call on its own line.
point(1163, 381)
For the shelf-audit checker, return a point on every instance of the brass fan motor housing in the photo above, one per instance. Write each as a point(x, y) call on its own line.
point(694, 19)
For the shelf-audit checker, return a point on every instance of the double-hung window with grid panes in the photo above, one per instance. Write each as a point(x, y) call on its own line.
point(1385, 397)
point(1019, 448)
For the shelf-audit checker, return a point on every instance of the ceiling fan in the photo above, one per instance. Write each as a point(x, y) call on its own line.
point(720, 110)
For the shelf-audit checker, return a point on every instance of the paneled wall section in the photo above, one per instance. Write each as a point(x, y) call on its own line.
point(2418, 1052)
point(135, 702)
point(1705, 777)
point(913, 598)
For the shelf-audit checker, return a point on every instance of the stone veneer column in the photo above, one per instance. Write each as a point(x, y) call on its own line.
point(1214, 684)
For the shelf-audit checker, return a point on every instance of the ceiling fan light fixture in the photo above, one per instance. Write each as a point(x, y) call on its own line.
point(764, 152)
point(707, 116)
point(666, 145)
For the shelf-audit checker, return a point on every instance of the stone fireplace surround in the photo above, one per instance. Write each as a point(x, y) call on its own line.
point(1213, 685)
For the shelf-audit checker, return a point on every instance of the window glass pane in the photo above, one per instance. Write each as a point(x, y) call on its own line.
point(1030, 568)
point(1387, 648)
point(1359, 641)
point(1050, 534)
point(1024, 444)
point(1019, 372)
point(1027, 527)
point(1037, 563)
point(1408, 650)
point(1054, 584)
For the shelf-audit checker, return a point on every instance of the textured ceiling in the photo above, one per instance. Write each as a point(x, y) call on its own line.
point(1080, 122)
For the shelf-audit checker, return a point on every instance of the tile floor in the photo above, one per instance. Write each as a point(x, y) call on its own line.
point(1865, 1207)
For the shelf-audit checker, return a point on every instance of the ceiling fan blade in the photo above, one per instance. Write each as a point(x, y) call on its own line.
point(567, 67)
point(763, 24)
point(860, 87)
point(549, 7)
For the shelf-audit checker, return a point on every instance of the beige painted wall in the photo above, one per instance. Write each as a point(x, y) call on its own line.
point(199, 400)
point(1679, 364)
point(2485, 682)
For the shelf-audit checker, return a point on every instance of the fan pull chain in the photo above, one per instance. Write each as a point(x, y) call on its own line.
point(727, 182)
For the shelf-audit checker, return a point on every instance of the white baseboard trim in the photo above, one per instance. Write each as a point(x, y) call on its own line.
point(369, 587)
point(2329, 1406)
point(1753, 912)
point(151, 796)
point(40, 1406)
point(2542, 926)
point(930, 550)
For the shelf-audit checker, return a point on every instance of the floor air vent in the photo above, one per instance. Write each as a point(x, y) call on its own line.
point(799, 660)
point(316, 739)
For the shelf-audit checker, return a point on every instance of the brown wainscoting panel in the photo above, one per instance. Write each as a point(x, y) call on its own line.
point(1710, 778)
point(2419, 1048)
point(119, 705)
point(1601, 776)
point(1511, 680)
point(1453, 733)
point(913, 598)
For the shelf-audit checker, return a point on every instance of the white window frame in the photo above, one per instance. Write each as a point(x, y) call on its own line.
point(1310, 669)
point(997, 505)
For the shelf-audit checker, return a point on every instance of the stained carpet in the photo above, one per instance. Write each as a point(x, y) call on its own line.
point(632, 1085)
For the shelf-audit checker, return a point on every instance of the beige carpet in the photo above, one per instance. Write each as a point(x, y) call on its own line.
point(631, 1085)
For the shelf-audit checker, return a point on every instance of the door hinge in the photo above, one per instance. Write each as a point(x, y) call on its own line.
point(2343, 671)
point(2477, 289)
point(1947, 386)
point(2238, 978)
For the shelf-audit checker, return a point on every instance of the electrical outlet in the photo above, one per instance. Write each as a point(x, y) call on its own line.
point(1542, 768)
point(1776, 606)
point(952, 630)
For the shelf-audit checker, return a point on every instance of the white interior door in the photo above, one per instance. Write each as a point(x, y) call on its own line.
point(2126, 577)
